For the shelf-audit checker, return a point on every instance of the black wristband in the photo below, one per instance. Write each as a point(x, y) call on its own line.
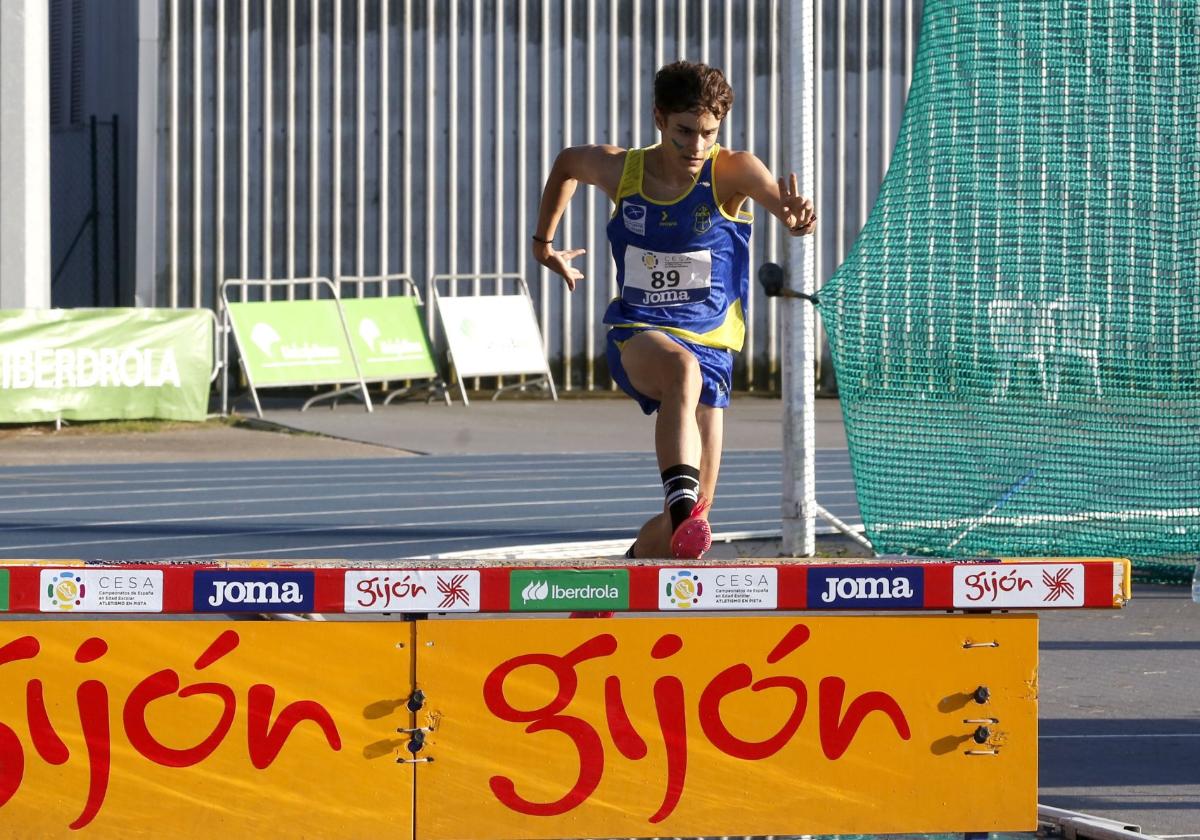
point(537, 238)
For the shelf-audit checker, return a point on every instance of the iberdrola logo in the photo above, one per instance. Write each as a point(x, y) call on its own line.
point(537, 590)
point(540, 590)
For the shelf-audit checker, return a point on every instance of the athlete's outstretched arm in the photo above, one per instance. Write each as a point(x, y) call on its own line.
point(749, 176)
point(599, 166)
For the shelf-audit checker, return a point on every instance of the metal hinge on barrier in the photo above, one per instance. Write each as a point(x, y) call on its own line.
point(416, 741)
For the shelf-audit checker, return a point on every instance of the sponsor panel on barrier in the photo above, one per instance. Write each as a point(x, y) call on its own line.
point(741, 725)
point(101, 590)
point(204, 729)
point(719, 588)
point(1019, 585)
point(569, 589)
point(265, 591)
point(866, 588)
point(398, 590)
point(3, 590)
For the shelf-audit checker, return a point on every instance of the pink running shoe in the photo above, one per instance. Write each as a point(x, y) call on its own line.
point(693, 537)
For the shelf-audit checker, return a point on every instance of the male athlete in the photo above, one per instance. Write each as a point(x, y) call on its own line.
point(680, 238)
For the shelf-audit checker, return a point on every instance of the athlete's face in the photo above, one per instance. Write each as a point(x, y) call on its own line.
point(687, 137)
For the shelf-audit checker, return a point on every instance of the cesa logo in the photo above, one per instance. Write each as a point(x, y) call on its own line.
point(65, 590)
point(101, 590)
point(250, 591)
point(866, 587)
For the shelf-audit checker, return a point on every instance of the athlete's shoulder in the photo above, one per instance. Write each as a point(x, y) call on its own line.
point(734, 163)
point(599, 164)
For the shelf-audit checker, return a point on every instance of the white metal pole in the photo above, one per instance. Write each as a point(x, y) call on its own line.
point(219, 151)
point(568, 93)
point(335, 125)
point(173, 159)
point(431, 91)
point(267, 149)
point(477, 145)
point(799, 463)
point(589, 287)
point(408, 193)
point(244, 152)
point(314, 146)
point(384, 104)
point(544, 160)
point(360, 148)
point(522, 249)
point(197, 155)
point(289, 233)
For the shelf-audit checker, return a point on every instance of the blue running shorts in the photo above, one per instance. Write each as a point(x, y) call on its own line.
point(716, 369)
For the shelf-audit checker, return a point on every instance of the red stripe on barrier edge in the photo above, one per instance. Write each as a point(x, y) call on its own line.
point(329, 590)
point(179, 586)
point(643, 588)
point(24, 586)
point(494, 590)
point(1098, 584)
point(793, 587)
point(939, 586)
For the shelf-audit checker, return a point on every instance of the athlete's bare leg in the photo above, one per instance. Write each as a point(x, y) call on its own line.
point(664, 371)
point(685, 432)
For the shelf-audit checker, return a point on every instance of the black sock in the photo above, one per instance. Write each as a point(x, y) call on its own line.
point(681, 484)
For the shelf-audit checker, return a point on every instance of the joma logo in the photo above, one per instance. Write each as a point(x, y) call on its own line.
point(876, 588)
point(267, 592)
point(289, 591)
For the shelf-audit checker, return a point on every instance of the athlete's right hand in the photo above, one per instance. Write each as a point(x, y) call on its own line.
point(559, 261)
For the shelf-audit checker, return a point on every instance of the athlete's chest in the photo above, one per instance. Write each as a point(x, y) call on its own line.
point(690, 219)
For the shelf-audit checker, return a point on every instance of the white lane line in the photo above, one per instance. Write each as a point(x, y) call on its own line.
point(394, 476)
point(627, 493)
point(639, 491)
point(826, 489)
point(460, 522)
point(1120, 736)
point(368, 465)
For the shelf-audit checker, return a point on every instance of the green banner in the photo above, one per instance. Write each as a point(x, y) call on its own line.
point(547, 590)
point(293, 342)
point(104, 364)
point(389, 338)
point(3, 590)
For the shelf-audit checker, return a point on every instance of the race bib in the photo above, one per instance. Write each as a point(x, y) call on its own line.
point(653, 278)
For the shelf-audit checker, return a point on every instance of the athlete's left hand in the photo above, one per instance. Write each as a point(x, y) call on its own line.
point(798, 213)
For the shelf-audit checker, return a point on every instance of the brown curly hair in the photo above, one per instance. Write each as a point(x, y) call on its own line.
point(691, 86)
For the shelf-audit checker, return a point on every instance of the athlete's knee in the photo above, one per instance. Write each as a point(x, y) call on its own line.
point(681, 375)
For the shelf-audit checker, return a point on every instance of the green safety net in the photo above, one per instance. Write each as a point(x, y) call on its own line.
point(1016, 331)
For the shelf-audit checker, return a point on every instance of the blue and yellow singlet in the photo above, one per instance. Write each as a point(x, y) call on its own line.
point(683, 266)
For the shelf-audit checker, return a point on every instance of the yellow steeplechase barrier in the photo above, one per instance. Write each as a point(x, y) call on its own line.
point(739, 725)
point(203, 729)
point(891, 696)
